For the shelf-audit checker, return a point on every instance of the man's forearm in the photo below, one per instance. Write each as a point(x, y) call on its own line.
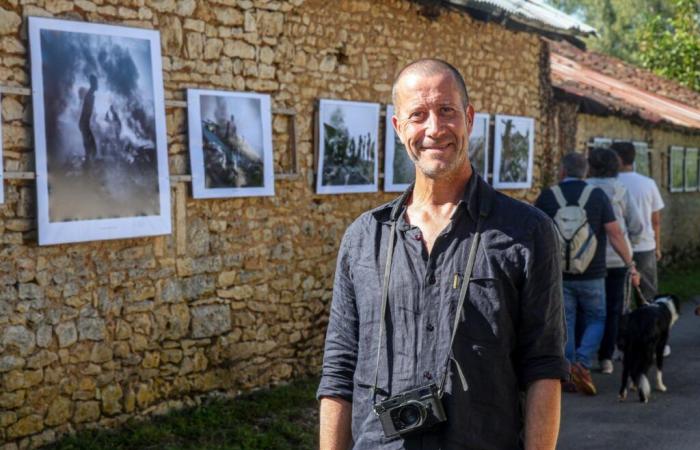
point(336, 415)
point(656, 225)
point(542, 415)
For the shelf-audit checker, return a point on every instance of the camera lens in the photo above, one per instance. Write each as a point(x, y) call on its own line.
point(409, 415)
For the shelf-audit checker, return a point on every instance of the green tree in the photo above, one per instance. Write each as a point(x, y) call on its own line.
point(670, 46)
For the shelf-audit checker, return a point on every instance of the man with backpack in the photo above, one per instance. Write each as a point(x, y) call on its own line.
point(584, 219)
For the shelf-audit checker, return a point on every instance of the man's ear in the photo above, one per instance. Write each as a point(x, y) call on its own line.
point(395, 123)
point(470, 119)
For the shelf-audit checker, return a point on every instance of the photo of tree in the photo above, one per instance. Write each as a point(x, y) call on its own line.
point(348, 134)
point(99, 117)
point(513, 152)
point(399, 170)
point(691, 169)
point(230, 144)
point(479, 144)
point(676, 174)
point(641, 159)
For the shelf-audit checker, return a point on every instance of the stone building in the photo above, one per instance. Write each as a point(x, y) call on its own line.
point(598, 99)
point(237, 296)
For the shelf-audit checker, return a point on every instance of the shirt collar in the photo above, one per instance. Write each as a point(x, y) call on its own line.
point(476, 186)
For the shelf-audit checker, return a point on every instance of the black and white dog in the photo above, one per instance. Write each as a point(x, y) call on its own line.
point(642, 337)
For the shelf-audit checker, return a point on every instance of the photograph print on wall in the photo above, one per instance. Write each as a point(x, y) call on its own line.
point(399, 170)
point(513, 152)
point(676, 173)
point(347, 140)
point(691, 169)
point(2, 170)
point(479, 144)
point(230, 144)
point(642, 158)
point(99, 130)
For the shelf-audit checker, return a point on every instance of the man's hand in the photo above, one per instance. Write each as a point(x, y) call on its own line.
point(542, 414)
point(336, 416)
point(658, 253)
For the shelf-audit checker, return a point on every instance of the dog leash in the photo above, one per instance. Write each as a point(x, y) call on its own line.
point(628, 293)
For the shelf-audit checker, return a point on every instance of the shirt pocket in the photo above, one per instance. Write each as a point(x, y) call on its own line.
point(479, 321)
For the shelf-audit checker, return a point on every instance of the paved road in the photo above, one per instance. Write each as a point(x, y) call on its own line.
point(670, 421)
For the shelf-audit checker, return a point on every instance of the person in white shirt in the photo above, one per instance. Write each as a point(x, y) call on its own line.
point(645, 193)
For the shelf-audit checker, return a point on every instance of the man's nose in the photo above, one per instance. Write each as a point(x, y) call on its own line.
point(434, 125)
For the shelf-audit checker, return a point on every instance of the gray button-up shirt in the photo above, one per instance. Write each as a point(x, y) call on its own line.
point(511, 332)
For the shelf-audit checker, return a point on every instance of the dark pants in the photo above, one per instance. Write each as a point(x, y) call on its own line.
point(646, 266)
point(614, 302)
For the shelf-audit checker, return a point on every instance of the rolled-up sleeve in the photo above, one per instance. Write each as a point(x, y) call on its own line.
point(340, 353)
point(541, 332)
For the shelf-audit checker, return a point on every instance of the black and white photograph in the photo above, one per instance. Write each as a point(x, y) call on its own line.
point(2, 169)
point(99, 129)
point(399, 169)
point(479, 144)
point(691, 169)
point(230, 144)
point(676, 164)
point(513, 152)
point(347, 138)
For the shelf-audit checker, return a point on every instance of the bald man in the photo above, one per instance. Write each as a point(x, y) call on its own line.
point(447, 301)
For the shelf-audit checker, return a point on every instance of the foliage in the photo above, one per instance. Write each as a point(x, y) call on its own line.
point(281, 418)
point(670, 46)
point(681, 280)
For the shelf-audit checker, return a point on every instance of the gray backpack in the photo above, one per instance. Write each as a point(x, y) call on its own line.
point(576, 236)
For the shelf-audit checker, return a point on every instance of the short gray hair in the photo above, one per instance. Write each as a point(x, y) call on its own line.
point(574, 165)
point(432, 66)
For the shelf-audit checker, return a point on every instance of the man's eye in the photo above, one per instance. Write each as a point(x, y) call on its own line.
point(447, 110)
point(416, 115)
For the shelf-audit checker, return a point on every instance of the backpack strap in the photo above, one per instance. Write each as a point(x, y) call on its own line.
point(583, 199)
point(559, 196)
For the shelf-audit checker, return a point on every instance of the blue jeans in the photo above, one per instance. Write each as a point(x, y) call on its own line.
point(588, 296)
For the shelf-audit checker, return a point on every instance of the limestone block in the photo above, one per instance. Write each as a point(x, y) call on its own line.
point(26, 426)
point(210, 320)
point(123, 330)
point(12, 400)
point(270, 23)
point(44, 335)
point(171, 356)
point(129, 401)
point(67, 334)
point(227, 278)
point(11, 108)
point(213, 48)
point(111, 400)
point(9, 22)
point(151, 360)
point(162, 5)
point(195, 45)
point(171, 35)
point(239, 49)
point(59, 412)
point(267, 55)
point(13, 380)
point(7, 418)
point(42, 359)
point(88, 411)
point(169, 290)
point(144, 395)
point(228, 15)
point(194, 25)
point(19, 338)
point(11, 362)
point(195, 287)
point(91, 329)
point(42, 439)
point(101, 353)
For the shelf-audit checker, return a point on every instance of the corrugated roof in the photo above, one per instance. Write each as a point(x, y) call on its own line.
point(619, 96)
point(533, 13)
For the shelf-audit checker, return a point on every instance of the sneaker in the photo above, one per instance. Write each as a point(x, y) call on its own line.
point(606, 366)
point(582, 379)
point(667, 350)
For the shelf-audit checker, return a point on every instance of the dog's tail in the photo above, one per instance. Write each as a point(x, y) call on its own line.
point(644, 386)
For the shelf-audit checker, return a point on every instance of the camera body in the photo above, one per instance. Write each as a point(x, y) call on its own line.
point(410, 412)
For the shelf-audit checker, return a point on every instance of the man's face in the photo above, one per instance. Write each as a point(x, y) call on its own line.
point(432, 122)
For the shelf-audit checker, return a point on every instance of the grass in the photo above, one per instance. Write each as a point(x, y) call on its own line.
point(683, 281)
point(284, 417)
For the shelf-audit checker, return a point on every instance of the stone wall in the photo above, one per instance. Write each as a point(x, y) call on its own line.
point(680, 229)
point(237, 296)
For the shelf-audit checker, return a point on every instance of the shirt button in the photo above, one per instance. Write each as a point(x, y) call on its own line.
point(427, 376)
point(430, 327)
point(418, 236)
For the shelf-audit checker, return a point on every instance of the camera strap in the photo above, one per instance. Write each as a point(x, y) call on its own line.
point(484, 209)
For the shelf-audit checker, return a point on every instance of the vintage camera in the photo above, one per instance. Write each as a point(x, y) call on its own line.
point(411, 411)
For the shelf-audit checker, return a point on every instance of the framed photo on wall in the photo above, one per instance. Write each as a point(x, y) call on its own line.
point(479, 144)
point(513, 152)
point(230, 137)
point(99, 131)
point(347, 153)
point(676, 172)
point(642, 158)
point(691, 169)
point(399, 170)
